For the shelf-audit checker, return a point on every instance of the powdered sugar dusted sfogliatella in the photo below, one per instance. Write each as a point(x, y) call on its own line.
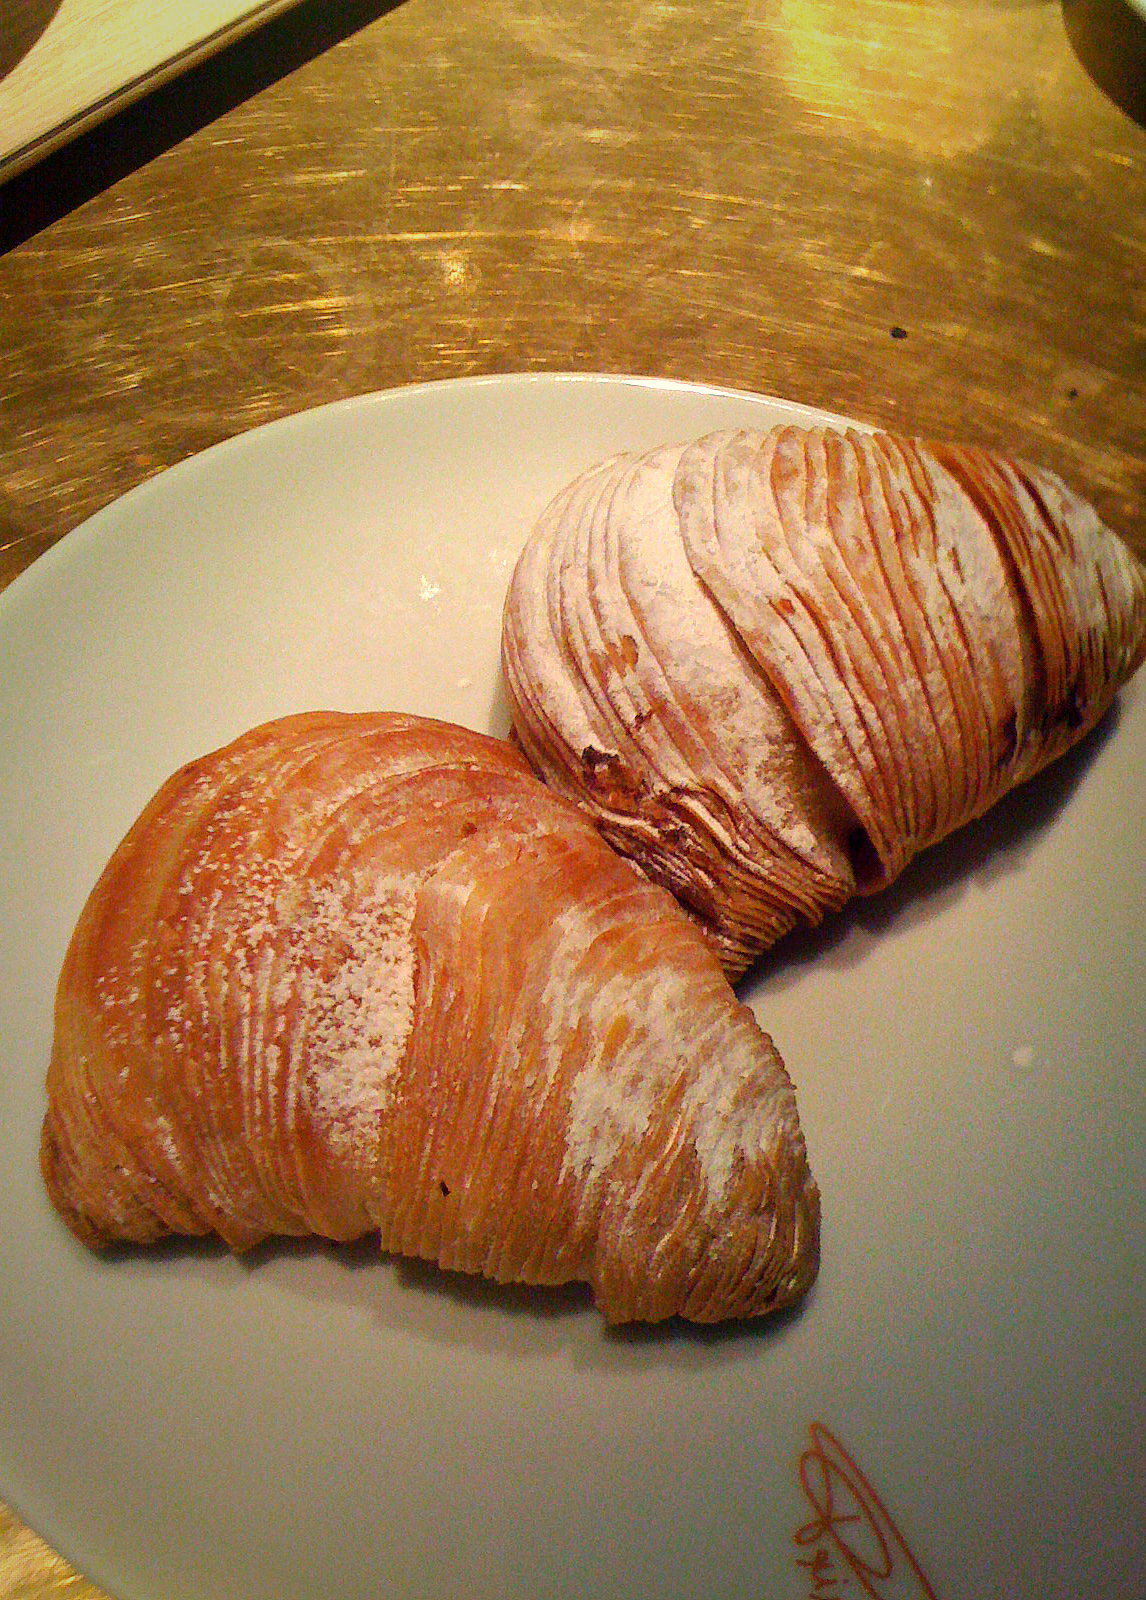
point(774, 666)
point(366, 973)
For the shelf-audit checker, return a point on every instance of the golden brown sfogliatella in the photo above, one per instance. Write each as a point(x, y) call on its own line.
point(775, 666)
point(365, 972)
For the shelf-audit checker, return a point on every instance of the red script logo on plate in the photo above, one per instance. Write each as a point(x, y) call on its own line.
point(850, 1543)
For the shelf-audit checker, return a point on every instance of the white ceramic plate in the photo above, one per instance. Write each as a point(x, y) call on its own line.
point(968, 1054)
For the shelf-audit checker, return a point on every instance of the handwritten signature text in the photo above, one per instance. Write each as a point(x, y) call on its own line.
point(850, 1543)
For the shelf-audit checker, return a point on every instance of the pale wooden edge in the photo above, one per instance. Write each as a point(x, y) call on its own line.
point(43, 144)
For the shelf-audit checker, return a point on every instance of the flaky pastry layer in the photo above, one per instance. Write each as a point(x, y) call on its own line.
point(364, 972)
point(773, 667)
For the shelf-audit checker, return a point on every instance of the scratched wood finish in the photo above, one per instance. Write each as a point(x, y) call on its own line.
point(924, 214)
point(927, 215)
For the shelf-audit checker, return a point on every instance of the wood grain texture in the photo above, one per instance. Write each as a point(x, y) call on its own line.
point(936, 225)
point(927, 215)
point(31, 1569)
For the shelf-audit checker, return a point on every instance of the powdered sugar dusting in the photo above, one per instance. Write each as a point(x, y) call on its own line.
point(735, 1110)
point(610, 1104)
point(356, 982)
point(730, 734)
point(631, 1052)
point(736, 1099)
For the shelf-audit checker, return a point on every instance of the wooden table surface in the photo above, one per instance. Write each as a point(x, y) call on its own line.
point(929, 215)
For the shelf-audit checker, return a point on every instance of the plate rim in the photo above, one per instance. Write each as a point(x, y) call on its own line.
point(412, 390)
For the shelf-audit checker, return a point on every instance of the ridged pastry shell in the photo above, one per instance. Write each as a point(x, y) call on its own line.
point(772, 667)
point(357, 973)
